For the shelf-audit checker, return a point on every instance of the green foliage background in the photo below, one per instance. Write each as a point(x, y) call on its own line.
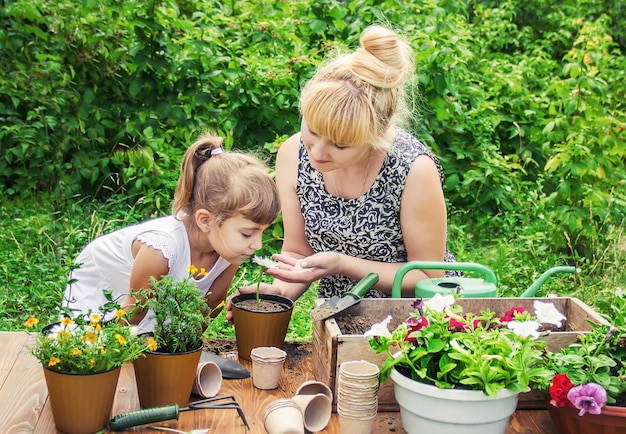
point(523, 100)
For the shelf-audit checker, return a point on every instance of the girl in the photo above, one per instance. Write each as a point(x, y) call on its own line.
point(222, 204)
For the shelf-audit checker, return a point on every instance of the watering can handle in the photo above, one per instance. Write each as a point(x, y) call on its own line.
point(396, 288)
point(532, 290)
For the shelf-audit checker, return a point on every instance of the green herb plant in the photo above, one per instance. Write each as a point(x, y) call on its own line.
point(180, 310)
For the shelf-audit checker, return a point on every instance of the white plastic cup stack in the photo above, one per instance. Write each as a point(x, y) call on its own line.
point(357, 396)
point(267, 365)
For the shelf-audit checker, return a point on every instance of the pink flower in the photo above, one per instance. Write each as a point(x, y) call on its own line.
point(458, 326)
point(415, 325)
point(509, 315)
point(588, 398)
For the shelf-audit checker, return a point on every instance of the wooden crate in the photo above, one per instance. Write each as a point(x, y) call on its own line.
point(331, 347)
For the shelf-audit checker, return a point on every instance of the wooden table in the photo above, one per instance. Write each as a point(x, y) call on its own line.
point(24, 406)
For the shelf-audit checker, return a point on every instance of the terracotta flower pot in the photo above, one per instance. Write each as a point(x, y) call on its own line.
point(260, 328)
point(165, 378)
point(81, 403)
point(612, 420)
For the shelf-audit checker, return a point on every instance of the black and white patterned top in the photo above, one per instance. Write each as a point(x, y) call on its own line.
point(367, 227)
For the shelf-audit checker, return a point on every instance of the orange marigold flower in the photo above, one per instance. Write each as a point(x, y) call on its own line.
point(76, 351)
point(53, 361)
point(121, 339)
point(192, 270)
point(66, 322)
point(152, 344)
point(31, 322)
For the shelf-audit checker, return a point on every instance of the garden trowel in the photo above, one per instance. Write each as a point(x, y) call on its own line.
point(336, 304)
point(230, 368)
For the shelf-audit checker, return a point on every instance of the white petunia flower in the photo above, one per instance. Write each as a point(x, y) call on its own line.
point(548, 313)
point(379, 329)
point(264, 262)
point(439, 302)
point(525, 329)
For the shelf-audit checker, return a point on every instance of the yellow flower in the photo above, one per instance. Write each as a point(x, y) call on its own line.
point(64, 334)
point(66, 322)
point(53, 361)
point(31, 322)
point(76, 352)
point(95, 318)
point(152, 344)
point(203, 272)
point(120, 313)
point(222, 304)
point(192, 270)
point(90, 338)
point(120, 339)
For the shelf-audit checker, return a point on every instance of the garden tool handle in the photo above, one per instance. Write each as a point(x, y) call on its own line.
point(144, 416)
point(362, 286)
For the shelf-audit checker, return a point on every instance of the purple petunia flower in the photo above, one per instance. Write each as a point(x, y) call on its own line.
point(588, 398)
point(419, 305)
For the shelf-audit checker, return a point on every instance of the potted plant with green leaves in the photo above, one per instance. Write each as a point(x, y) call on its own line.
point(260, 320)
point(166, 374)
point(441, 358)
point(85, 353)
point(587, 393)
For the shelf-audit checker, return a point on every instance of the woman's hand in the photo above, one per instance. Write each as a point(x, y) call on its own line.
point(306, 270)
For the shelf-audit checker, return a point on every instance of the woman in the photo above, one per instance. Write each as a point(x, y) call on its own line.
point(359, 194)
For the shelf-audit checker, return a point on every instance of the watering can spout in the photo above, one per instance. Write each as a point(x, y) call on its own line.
point(532, 290)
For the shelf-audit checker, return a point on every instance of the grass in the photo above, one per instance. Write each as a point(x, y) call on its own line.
point(40, 238)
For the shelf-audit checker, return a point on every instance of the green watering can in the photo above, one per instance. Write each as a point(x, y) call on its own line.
point(471, 287)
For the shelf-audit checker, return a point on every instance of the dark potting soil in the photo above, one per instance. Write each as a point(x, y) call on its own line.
point(261, 306)
point(353, 324)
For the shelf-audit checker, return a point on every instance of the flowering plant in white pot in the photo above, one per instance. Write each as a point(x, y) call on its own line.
point(440, 345)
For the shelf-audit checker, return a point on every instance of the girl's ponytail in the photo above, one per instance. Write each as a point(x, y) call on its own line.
point(199, 152)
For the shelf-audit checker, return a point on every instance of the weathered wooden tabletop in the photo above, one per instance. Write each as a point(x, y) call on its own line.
point(24, 406)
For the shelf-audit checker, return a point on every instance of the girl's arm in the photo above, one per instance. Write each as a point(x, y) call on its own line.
point(149, 262)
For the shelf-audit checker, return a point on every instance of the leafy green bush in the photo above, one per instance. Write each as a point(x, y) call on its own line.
point(521, 99)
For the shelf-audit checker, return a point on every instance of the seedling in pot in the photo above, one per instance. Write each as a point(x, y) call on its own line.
point(264, 264)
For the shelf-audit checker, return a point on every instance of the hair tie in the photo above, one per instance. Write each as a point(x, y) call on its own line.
point(204, 152)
